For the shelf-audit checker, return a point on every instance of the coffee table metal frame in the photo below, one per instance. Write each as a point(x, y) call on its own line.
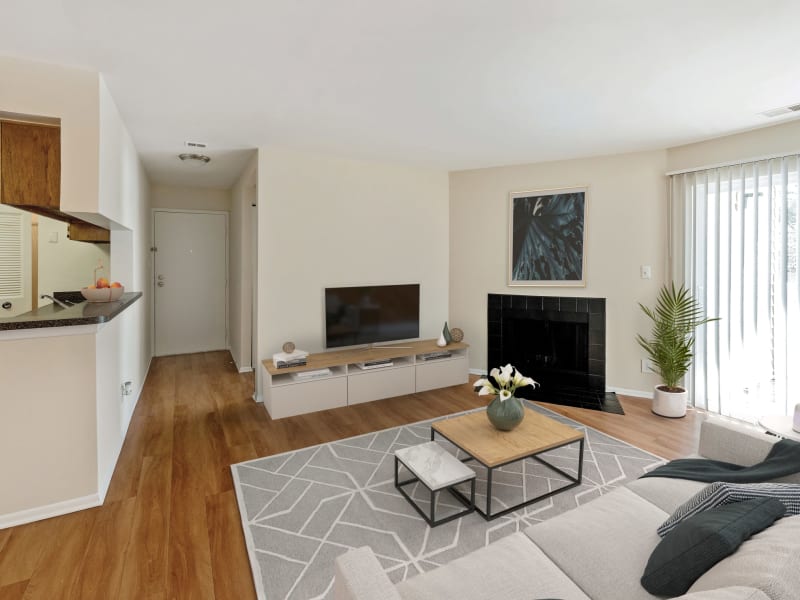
point(431, 520)
point(488, 514)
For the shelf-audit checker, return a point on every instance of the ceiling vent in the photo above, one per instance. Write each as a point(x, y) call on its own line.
point(783, 110)
point(195, 145)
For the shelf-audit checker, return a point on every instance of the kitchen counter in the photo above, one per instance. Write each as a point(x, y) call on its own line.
point(85, 313)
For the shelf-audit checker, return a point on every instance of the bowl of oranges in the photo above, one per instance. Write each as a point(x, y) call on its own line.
point(103, 291)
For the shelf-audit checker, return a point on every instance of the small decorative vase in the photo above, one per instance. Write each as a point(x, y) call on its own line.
point(441, 342)
point(505, 415)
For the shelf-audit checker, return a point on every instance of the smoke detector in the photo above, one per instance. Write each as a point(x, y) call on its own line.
point(192, 158)
point(783, 110)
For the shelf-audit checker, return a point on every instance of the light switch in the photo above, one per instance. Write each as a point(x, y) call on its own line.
point(53, 237)
point(646, 272)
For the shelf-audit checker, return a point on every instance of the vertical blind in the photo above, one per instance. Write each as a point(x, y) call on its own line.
point(740, 252)
point(11, 255)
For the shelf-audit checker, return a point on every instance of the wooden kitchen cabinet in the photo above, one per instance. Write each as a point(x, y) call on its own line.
point(86, 232)
point(30, 176)
point(30, 165)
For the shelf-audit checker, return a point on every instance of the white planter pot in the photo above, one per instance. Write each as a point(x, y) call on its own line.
point(669, 404)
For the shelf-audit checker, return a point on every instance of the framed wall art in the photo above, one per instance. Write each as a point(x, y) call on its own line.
point(547, 237)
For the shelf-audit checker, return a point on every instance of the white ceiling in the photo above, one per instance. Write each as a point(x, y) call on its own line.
point(450, 84)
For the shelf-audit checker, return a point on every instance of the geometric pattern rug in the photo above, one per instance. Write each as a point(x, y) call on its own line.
point(302, 509)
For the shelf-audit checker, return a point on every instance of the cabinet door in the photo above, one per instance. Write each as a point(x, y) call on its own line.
point(30, 165)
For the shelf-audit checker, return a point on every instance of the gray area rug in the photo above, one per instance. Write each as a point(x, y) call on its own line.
point(301, 509)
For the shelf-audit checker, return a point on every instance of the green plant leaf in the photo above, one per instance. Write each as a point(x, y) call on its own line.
point(670, 348)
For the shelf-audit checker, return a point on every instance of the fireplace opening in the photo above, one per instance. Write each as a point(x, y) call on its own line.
point(557, 350)
point(559, 342)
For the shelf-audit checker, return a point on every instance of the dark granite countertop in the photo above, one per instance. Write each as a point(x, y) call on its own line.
point(85, 313)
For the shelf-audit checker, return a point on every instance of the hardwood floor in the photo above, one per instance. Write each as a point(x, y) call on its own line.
point(169, 527)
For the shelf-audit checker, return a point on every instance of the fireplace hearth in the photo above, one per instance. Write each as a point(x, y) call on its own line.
point(558, 341)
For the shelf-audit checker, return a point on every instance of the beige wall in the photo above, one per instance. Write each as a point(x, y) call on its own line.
point(332, 222)
point(61, 395)
point(240, 288)
point(625, 227)
point(189, 198)
point(768, 141)
point(71, 95)
point(47, 421)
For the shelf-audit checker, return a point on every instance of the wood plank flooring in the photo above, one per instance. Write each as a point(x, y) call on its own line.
point(170, 528)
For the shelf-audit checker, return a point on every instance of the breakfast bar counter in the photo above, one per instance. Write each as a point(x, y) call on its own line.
point(83, 313)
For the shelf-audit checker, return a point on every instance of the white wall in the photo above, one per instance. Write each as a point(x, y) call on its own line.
point(327, 221)
point(189, 198)
point(65, 264)
point(626, 228)
point(124, 347)
point(240, 279)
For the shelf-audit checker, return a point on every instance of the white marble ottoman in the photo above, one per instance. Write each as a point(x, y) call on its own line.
point(437, 470)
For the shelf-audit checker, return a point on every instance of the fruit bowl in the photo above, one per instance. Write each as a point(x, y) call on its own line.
point(109, 294)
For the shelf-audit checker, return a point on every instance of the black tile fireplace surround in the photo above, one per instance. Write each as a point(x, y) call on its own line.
point(558, 341)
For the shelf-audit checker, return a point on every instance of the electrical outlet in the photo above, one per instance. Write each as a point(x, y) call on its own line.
point(647, 367)
point(645, 272)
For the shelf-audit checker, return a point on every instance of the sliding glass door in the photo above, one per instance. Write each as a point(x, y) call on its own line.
point(740, 226)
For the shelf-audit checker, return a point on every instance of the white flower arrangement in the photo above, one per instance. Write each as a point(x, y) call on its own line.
point(507, 380)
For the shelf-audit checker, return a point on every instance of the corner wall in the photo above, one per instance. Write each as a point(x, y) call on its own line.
point(326, 221)
point(626, 228)
point(240, 268)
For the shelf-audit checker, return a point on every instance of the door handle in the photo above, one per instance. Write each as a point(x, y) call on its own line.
point(7, 305)
point(160, 284)
point(160, 277)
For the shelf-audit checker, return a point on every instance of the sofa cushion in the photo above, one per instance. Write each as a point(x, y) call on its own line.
point(702, 541)
point(720, 493)
point(666, 493)
point(769, 561)
point(729, 593)
point(512, 568)
point(603, 545)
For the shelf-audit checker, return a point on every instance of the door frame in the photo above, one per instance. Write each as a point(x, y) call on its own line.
point(153, 274)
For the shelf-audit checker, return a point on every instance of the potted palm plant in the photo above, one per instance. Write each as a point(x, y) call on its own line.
point(671, 346)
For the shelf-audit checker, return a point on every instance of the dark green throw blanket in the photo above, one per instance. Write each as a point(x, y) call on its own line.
point(783, 459)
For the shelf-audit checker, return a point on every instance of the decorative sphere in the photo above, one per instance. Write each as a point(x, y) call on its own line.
point(456, 334)
point(288, 347)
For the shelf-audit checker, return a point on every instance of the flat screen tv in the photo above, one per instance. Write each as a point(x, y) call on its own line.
point(371, 314)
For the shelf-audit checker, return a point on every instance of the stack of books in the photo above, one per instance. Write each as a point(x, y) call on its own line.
point(284, 360)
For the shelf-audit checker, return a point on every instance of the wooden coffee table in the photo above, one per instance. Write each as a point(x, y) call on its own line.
point(492, 448)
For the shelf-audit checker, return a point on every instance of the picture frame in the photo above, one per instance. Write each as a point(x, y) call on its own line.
point(547, 237)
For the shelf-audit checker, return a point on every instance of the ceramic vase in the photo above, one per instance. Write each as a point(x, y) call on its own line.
point(505, 416)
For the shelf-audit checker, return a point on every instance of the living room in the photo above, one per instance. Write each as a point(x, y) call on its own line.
point(336, 204)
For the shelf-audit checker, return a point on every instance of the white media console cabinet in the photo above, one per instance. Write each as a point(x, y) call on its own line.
point(286, 394)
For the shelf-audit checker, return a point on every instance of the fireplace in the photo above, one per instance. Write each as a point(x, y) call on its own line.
point(559, 341)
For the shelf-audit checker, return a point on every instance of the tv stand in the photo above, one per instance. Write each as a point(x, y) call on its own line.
point(347, 384)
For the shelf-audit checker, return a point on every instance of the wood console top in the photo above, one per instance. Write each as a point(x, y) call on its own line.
point(334, 358)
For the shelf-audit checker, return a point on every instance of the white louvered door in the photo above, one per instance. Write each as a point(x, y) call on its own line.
point(15, 262)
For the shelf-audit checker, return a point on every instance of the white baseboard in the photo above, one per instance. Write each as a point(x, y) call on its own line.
point(244, 369)
point(627, 392)
point(477, 371)
point(49, 510)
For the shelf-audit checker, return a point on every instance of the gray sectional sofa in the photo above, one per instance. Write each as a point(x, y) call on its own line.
point(599, 550)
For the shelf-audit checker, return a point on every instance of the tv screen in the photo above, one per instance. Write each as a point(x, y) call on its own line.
point(371, 314)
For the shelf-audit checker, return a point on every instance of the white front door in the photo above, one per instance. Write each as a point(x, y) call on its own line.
point(15, 262)
point(190, 281)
